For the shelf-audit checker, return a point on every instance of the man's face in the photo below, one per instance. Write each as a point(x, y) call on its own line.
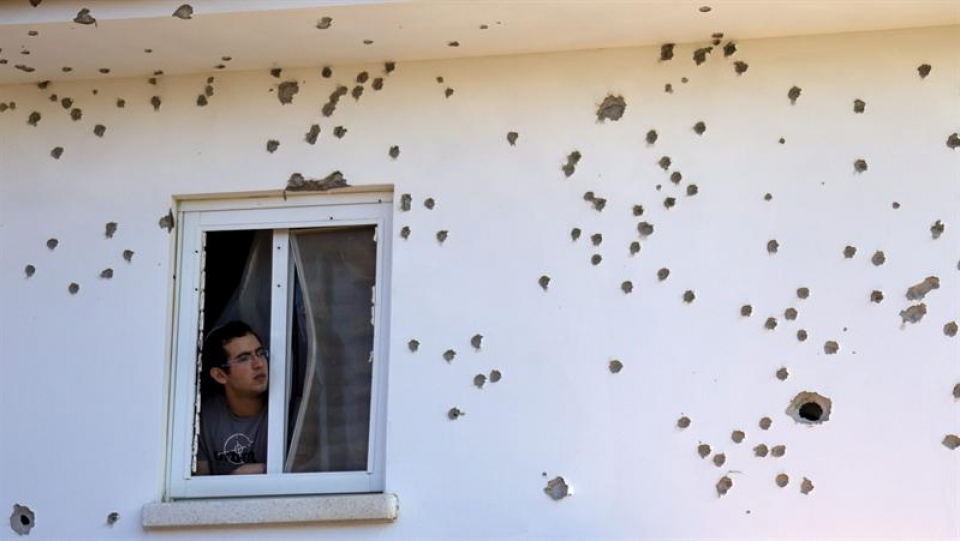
point(243, 377)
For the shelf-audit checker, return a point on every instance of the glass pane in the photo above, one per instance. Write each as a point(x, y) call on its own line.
point(332, 344)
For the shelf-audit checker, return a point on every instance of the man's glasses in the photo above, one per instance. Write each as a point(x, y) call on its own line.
point(245, 358)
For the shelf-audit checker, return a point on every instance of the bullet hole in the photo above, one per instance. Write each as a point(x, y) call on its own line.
point(29, 271)
point(394, 152)
point(595, 259)
point(918, 291)
point(683, 422)
point(730, 49)
point(429, 203)
point(575, 233)
point(99, 130)
point(201, 101)
point(106, 274)
point(849, 252)
point(699, 128)
point(689, 296)
point(809, 408)
point(413, 345)
point(453, 44)
point(512, 138)
point(668, 88)
point(740, 67)
point(84, 17)
point(155, 102)
point(272, 145)
point(35, 3)
point(596, 239)
point(737, 436)
point(557, 489)
point(951, 441)
point(746, 310)
point(831, 347)
point(449, 355)
point(167, 222)
point(275, 72)
point(286, 91)
point(719, 459)
point(950, 329)
point(782, 141)
point(914, 313)
point(860, 165)
point(627, 287)
point(405, 202)
point(783, 374)
point(612, 108)
point(389, 67)
point(703, 450)
point(24, 68)
point(876, 296)
point(112, 518)
point(448, 92)
point(782, 480)
point(803, 292)
point(56, 152)
point(666, 51)
point(312, 134)
point(52, 243)
point(924, 70)
point(544, 282)
point(953, 141)
point(859, 106)
point(357, 92)
point(770, 324)
point(34, 118)
point(879, 258)
point(571, 166)
point(495, 376)
point(669, 202)
point(121, 103)
point(651, 137)
point(454, 413)
point(184, 12)
point(339, 132)
point(22, 519)
point(638, 210)
point(725, 483)
point(761, 450)
point(324, 23)
point(109, 229)
point(773, 246)
point(128, 255)
point(936, 229)
point(802, 335)
point(806, 487)
point(700, 55)
point(663, 274)
point(634, 248)
point(793, 94)
point(442, 235)
point(476, 341)
point(76, 114)
point(717, 36)
point(219, 67)
point(790, 314)
point(104, 70)
point(765, 423)
point(479, 380)
point(73, 288)
point(664, 163)
point(615, 366)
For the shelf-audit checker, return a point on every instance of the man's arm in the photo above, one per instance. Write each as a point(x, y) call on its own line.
point(255, 467)
point(203, 468)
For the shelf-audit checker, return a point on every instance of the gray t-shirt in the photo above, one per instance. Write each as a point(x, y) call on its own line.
point(227, 441)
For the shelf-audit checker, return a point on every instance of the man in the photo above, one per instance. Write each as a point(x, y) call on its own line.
point(233, 422)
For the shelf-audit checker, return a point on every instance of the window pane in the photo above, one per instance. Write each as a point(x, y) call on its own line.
point(332, 345)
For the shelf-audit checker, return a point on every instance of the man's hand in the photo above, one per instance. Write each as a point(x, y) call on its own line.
point(257, 467)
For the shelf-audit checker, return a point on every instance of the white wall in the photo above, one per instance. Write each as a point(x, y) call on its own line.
point(82, 390)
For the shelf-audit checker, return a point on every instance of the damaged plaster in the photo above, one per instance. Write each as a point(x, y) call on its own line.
point(557, 489)
point(22, 519)
point(810, 408)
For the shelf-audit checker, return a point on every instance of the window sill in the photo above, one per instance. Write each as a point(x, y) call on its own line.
point(246, 511)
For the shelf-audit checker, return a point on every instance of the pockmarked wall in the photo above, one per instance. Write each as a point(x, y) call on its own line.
point(662, 257)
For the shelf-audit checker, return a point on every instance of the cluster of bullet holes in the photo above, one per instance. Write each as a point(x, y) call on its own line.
point(22, 519)
point(298, 183)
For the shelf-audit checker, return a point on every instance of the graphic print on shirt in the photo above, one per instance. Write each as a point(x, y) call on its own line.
point(237, 450)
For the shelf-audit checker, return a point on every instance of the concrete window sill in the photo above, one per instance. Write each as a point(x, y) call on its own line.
point(246, 511)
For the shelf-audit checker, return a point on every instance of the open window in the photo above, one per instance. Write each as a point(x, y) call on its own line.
point(310, 275)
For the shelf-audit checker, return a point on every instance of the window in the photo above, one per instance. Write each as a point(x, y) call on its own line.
point(310, 274)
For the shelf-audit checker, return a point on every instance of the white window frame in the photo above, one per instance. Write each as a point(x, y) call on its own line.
point(278, 211)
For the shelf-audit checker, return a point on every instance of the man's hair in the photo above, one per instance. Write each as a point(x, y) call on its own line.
point(212, 354)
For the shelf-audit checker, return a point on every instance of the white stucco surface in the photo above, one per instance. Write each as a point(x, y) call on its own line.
point(83, 388)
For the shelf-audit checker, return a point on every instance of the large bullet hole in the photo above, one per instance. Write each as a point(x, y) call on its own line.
point(512, 138)
point(666, 51)
point(830, 347)
point(719, 459)
point(700, 55)
point(782, 480)
point(21, 519)
point(923, 70)
point(950, 329)
point(571, 166)
point(794, 94)
point(703, 450)
point(683, 422)
point(761, 450)
point(806, 487)
point(951, 441)
point(454, 413)
point(612, 108)
point(699, 128)
point(557, 489)
point(615, 366)
point(746, 310)
point(725, 483)
point(918, 291)
point(544, 282)
point(914, 313)
point(879, 258)
point(575, 233)
point(803, 292)
point(936, 229)
point(313, 134)
point(634, 248)
point(737, 436)
point(810, 408)
point(849, 252)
